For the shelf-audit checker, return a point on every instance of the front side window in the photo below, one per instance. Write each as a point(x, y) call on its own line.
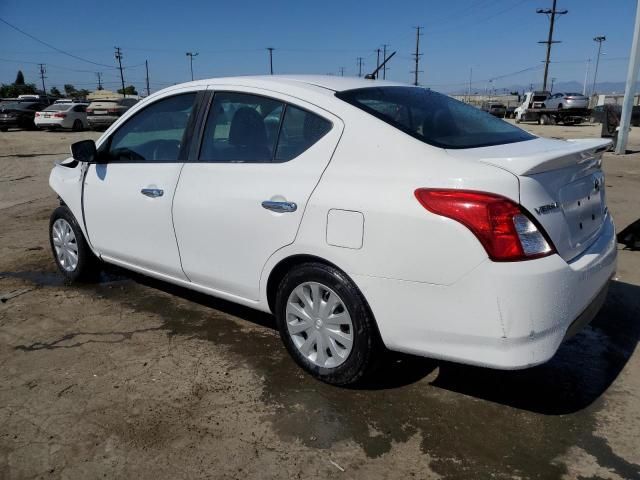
point(155, 133)
point(434, 118)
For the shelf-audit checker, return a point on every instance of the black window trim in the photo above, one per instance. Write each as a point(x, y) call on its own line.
point(203, 122)
point(187, 137)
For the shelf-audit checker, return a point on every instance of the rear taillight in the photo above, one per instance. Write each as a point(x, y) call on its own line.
point(89, 111)
point(37, 114)
point(112, 110)
point(59, 115)
point(504, 229)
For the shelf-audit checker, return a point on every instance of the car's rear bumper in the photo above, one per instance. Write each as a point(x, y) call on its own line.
point(9, 122)
point(101, 121)
point(51, 123)
point(500, 315)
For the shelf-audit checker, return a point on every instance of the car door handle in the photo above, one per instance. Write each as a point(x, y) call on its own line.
point(152, 192)
point(282, 207)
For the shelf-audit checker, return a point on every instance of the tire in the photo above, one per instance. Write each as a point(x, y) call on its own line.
point(340, 364)
point(77, 125)
point(86, 266)
point(4, 129)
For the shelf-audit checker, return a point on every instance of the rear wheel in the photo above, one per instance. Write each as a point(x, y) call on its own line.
point(77, 125)
point(326, 325)
point(72, 254)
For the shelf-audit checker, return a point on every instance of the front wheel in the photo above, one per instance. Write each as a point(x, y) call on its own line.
point(326, 325)
point(72, 254)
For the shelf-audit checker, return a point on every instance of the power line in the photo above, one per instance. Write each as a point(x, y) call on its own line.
point(51, 46)
point(417, 56)
point(550, 41)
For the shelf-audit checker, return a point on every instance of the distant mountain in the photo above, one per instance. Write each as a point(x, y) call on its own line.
point(571, 86)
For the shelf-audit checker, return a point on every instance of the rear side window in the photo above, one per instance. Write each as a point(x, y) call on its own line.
point(300, 130)
point(249, 128)
point(434, 118)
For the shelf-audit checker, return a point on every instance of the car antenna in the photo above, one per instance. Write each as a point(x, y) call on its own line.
point(373, 75)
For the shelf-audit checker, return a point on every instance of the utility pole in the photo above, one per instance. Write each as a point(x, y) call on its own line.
point(271, 49)
point(384, 55)
point(586, 76)
point(632, 78)
point(470, 78)
point(146, 66)
point(43, 70)
point(550, 41)
point(417, 56)
point(191, 55)
point(99, 75)
point(119, 58)
point(598, 39)
point(553, 79)
point(377, 60)
point(360, 63)
point(342, 71)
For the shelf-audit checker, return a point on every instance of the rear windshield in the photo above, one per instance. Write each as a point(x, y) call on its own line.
point(60, 107)
point(434, 118)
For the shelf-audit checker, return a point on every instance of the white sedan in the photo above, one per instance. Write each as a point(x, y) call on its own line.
point(63, 115)
point(363, 214)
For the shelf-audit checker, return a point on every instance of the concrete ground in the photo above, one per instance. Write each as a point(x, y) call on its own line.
point(133, 378)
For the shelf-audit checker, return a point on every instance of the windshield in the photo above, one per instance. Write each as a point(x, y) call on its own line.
point(14, 106)
point(60, 107)
point(434, 118)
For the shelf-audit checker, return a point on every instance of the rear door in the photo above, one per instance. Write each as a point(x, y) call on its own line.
point(127, 199)
point(260, 158)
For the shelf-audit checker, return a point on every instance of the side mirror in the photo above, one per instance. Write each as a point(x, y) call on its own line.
point(84, 151)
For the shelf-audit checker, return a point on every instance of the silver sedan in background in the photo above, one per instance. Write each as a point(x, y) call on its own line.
point(567, 100)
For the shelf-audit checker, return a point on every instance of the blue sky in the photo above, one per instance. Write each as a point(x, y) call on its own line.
point(493, 37)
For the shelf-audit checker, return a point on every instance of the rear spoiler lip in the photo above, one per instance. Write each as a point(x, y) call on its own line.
point(578, 151)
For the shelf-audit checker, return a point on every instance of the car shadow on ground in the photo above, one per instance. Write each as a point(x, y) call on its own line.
point(582, 370)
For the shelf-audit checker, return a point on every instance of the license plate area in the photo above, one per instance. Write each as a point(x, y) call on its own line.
point(99, 112)
point(583, 203)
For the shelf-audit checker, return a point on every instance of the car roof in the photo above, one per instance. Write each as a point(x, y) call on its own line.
point(311, 82)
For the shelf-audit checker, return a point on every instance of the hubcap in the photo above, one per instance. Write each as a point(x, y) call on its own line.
point(65, 244)
point(319, 324)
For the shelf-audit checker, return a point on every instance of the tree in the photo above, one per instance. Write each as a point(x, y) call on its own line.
point(69, 90)
point(19, 78)
point(12, 90)
point(55, 92)
point(130, 90)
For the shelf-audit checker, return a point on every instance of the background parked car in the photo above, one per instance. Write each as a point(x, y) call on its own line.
point(103, 113)
point(63, 115)
point(511, 112)
point(567, 100)
point(19, 114)
point(496, 109)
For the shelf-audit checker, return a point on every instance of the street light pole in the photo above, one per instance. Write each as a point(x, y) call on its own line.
point(586, 76)
point(632, 77)
point(191, 55)
point(598, 39)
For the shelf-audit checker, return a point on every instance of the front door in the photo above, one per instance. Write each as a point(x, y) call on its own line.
point(127, 199)
point(259, 161)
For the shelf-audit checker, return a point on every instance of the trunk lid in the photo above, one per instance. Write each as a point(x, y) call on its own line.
point(561, 185)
